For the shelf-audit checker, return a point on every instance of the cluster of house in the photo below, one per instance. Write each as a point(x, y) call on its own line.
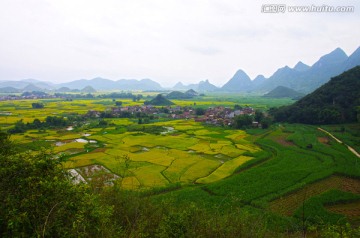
point(29, 96)
point(213, 115)
point(223, 115)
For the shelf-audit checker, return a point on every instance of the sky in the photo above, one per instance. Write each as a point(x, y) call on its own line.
point(165, 40)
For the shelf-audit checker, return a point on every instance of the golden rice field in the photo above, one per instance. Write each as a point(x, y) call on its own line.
point(191, 153)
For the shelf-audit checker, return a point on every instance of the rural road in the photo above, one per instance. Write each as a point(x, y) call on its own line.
point(339, 141)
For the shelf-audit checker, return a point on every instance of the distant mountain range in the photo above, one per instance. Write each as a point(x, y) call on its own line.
point(202, 86)
point(302, 78)
point(106, 84)
point(95, 84)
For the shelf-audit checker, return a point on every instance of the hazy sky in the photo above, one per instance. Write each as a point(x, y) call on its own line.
point(165, 40)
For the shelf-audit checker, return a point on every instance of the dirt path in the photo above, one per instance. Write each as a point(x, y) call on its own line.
point(339, 141)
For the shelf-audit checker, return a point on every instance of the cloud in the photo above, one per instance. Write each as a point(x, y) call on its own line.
point(204, 50)
point(169, 41)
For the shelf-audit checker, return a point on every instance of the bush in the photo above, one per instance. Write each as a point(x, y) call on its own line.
point(38, 199)
point(37, 105)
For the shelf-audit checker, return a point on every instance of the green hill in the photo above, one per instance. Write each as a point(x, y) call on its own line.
point(159, 100)
point(284, 92)
point(191, 93)
point(337, 101)
point(177, 95)
point(88, 89)
point(9, 90)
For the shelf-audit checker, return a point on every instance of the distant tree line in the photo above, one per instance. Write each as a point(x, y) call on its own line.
point(34, 93)
point(73, 95)
point(50, 122)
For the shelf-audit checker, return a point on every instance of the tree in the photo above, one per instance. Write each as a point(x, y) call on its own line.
point(55, 121)
point(37, 123)
point(237, 107)
point(38, 198)
point(242, 121)
point(138, 97)
point(20, 127)
point(259, 115)
point(103, 123)
point(200, 111)
point(265, 122)
point(118, 103)
point(6, 146)
point(37, 105)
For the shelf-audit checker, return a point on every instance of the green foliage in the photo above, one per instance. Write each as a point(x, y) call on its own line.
point(200, 111)
point(50, 122)
point(266, 122)
point(174, 225)
point(103, 123)
point(39, 200)
point(6, 146)
point(151, 129)
point(20, 127)
point(243, 121)
point(56, 121)
point(339, 231)
point(37, 105)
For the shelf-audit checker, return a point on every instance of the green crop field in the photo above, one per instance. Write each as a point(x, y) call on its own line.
point(288, 171)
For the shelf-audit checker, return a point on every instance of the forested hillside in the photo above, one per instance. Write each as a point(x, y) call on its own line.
point(337, 101)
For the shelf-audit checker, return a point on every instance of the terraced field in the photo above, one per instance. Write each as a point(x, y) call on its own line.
point(182, 156)
point(288, 204)
point(286, 174)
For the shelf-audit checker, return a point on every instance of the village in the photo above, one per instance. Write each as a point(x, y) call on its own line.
point(217, 116)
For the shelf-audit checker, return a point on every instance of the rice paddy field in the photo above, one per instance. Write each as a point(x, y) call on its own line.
point(288, 171)
point(191, 153)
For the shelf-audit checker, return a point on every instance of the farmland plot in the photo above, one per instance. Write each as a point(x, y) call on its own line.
point(157, 160)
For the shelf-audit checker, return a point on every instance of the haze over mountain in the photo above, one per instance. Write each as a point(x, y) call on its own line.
point(240, 82)
point(301, 78)
point(107, 84)
point(300, 66)
point(202, 86)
